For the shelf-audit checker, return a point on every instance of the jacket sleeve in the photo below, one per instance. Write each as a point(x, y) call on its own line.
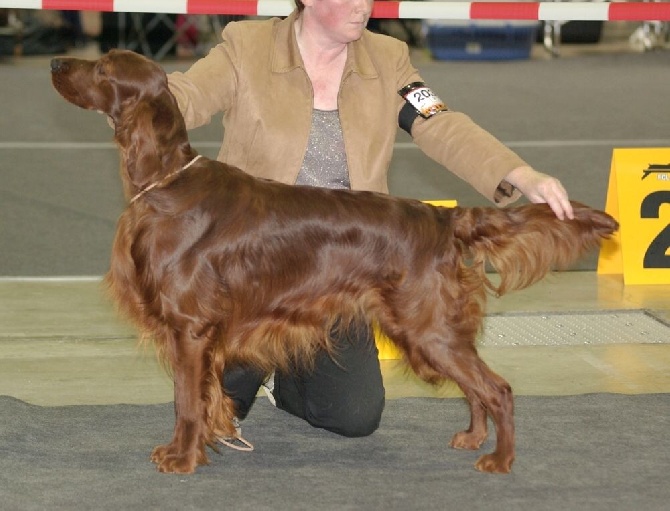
point(455, 141)
point(209, 86)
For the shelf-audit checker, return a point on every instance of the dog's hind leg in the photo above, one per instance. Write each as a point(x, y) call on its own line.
point(473, 437)
point(439, 343)
point(486, 393)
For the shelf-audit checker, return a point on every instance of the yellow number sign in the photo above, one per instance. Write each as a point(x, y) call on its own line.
point(387, 350)
point(638, 196)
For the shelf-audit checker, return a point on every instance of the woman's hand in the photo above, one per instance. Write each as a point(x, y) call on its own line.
point(539, 187)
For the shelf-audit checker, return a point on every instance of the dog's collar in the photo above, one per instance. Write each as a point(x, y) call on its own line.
point(158, 183)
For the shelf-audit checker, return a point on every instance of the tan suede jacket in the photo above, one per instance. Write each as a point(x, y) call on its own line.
point(256, 77)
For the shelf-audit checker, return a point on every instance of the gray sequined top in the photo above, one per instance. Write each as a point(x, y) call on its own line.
point(325, 162)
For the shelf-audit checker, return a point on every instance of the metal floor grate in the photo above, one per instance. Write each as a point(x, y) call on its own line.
point(579, 328)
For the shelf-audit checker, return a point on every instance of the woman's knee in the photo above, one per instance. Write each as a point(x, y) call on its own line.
point(358, 419)
point(361, 425)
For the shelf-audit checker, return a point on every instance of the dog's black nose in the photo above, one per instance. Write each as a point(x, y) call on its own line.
point(58, 65)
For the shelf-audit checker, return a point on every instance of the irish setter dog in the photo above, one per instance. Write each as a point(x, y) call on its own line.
point(218, 267)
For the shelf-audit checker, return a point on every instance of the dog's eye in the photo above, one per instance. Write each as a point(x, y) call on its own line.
point(100, 69)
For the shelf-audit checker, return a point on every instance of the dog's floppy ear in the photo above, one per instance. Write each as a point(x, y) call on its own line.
point(140, 147)
point(152, 136)
point(168, 122)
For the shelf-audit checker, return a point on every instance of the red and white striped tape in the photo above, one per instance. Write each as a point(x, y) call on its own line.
point(543, 11)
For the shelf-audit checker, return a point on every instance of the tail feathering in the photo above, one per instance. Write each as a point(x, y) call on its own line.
point(524, 243)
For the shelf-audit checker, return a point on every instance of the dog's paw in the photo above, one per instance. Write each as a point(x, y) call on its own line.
point(161, 452)
point(495, 463)
point(468, 440)
point(177, 464)
point(169, 459)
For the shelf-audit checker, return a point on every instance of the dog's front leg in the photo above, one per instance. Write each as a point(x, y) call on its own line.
point(187, 448)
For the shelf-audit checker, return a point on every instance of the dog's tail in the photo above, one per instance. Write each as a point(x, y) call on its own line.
point(524, 243)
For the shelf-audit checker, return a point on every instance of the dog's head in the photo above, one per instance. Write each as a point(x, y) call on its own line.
point(112, 84)
point(133, 91)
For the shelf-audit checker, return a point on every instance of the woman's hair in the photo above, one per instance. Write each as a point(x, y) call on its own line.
point(299, 5)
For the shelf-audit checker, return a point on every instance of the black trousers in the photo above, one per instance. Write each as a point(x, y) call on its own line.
point(344, 394)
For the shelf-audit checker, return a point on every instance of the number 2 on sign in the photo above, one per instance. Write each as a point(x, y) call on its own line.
point(656, 255)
